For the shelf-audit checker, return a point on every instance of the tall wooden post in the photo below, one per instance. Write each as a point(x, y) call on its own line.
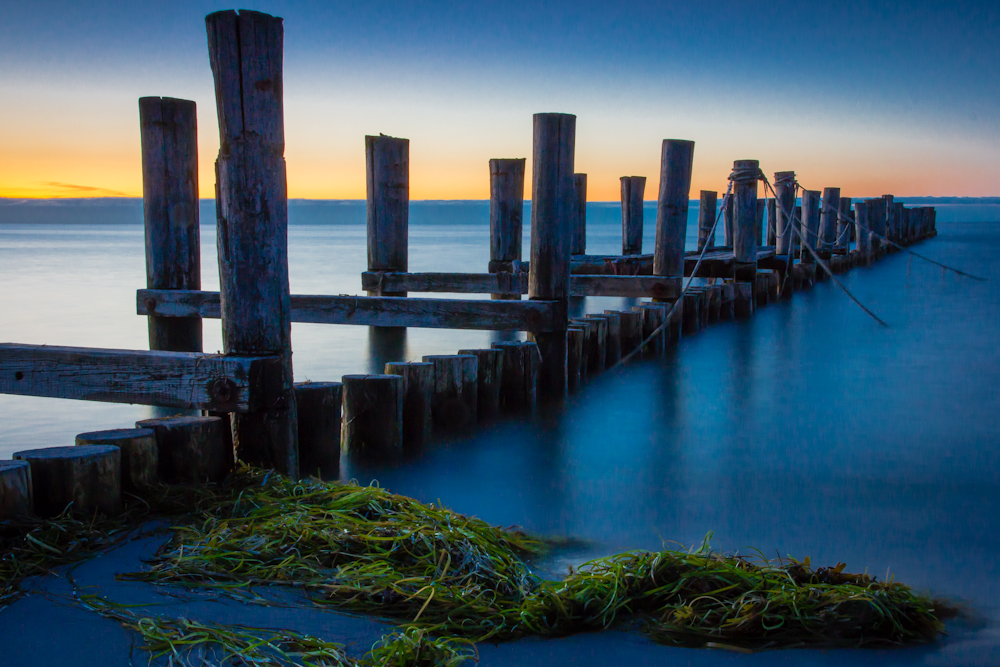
point(552, 195)
point(169, 130)
point(387, 173)
point(506, 217)
point(252, 218)
point(784, 188)
point(706, 218)
point(727, 222)
point(890, 218)
point(844, 225)
point(864, 248)
point(761, 206)
point(633, 189)
point(828, 221)
point(579, 239)
point(810, 224)
point(876, 223)
point(772, 214)
point(745, 175)
point(676, 160)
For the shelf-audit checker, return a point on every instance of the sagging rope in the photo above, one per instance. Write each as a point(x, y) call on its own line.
point(670, 313)
point(840, 216)
point(820, 261)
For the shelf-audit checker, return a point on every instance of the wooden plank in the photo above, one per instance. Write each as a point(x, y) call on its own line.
point(676, 161)
point(378, 311)
point(187, 380)
point(169, 137)
point(246, 52)
point(502, 283)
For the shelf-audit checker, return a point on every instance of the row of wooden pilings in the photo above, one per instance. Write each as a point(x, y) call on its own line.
point(304, 428)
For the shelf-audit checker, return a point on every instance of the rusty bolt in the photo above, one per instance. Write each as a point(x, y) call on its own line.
point(222, 390)
point(150, 304)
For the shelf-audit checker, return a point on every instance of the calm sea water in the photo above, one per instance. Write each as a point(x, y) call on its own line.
point(809, 430)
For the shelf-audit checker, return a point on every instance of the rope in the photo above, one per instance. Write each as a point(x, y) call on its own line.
point(826, 268)
point(680, 299)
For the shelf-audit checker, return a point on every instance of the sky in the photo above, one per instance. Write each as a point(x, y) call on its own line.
point(872, 97)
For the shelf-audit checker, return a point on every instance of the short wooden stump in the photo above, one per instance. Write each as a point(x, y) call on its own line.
point(140, 460)
point(15, 489)
point(191, 449)
point(84, 479)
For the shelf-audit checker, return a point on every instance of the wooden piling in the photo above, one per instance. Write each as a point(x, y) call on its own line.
point(876, 223)
point(519, 379)
point(633, 189)
point(578, 243)
point(654, 315)
point(387, 169)
point(727, 303)
point(692, 313)
point(191, 449)
point(843, 224)
point(897, 208)
point(784, 188)
point(589, 346)
point(455, 398)
point(574, 357)
point(890, 218)
point(418, 395)
point(252, 221)
point(84, 479)
point(506, 218)
point(489, 375)
point(319, 405)
point(727, 220)
point(772, 227)
point(139, 455)
point(715, 303)
point(863, 247)
point(169, 135)
point(745, 175)
point(743, 300)
point(631, 330)
point(15, 490)
point(676, 161)
point(551, 204)
point(371, 425)
point(761, 207)
point(599, 361)
point(613, 353)
point(828, 221)
point(810, 224)
point(706, 218)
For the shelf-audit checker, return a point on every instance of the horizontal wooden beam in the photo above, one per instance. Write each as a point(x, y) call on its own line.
point(187, 380)
point(506, 283)
point(716, 263)
point(377, 311)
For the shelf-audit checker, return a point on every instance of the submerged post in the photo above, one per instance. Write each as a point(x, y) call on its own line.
point(552, 194)
point(744, 177)
point(633, 188)
point(784, 237)
point(579, 239)
point(706, 218)
point(169, 130)
point(252, 217)
point(676, 160)
point(828, 221)
point(810, 224)
point(506, 217)
point(387, 174)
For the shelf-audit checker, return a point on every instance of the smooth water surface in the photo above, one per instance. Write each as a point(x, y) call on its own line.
point(808, 430)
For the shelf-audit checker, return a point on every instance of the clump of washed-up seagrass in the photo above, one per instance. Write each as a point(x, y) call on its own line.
point(366, 550)
point(415, 647)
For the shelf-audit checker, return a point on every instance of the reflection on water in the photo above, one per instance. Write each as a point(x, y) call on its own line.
point(808, 430)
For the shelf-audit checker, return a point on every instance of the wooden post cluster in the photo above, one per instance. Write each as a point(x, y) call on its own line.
point(552, 204)
point(633, 189)
point(246, 51)
point(169, 136)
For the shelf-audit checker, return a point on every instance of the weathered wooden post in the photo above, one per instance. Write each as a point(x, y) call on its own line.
point(706, 218)
point(676, 161)
point(169, 132)
point(191, 449)
point(574, 357)
point(89, 477)
point(745, 175)
point(418, 394)
point(552, 194)
point(506, 218)
point(587, 365)
point(489, 375)
point(631, 328)
point(519, 379)
point(578, 245)
point(727, 221)
point(319, 405)
point(387, 170)
point(772, 214)
point(876, 223)
point(598, 353)
point(455, 399)
point(139, 455)
point(810, 224)
point(633, 189)
point(897, 208)
point(761, 205)
point(252, 219)
point(784, 188)
point(828, 222)
point(614, 346)
point(371, 425)
point(890, 219)
point(15, 490)
point(861, 209)
point(843, 224)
